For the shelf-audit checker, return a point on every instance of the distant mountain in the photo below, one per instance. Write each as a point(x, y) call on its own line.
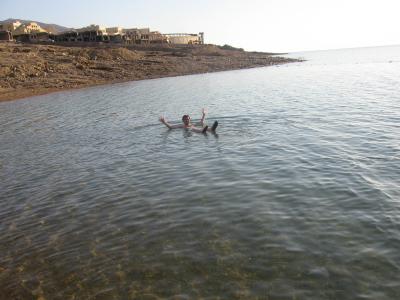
point(53, 28)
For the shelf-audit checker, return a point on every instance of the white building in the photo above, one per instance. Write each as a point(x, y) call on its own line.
point(28, 28)
point(185, 38)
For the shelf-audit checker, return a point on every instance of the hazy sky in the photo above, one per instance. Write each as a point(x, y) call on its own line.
point(270, 25)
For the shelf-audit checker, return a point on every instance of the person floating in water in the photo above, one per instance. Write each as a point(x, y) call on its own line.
point(188, 125)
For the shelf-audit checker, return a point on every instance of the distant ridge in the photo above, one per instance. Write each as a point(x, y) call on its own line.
point(53, 28)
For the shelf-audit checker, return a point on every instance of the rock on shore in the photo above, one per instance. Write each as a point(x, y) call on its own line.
point(31, 69)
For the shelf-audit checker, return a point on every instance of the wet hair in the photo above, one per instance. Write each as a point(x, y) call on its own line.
point(185, 117)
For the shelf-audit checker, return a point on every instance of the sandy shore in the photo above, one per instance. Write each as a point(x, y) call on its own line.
point(29, 69)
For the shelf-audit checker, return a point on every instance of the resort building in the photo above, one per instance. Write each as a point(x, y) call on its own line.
point(92, 33)
point(34, 37)
point(69, 36)
point(156, 37)
point(115, 34)
point(92, 28)
point(28, 28)
point(32, 32)
point(114, 30)
point(23, 32)
point(82, 36)
point(95, 33)
point(137, 35)
point(185, 38)
point(131, 36)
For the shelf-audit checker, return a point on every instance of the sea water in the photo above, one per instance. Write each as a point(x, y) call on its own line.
point(297, 196)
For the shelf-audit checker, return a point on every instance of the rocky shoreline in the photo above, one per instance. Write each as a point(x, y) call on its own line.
point(32, 69)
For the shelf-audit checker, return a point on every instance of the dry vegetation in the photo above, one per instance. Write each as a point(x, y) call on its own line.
point(28, 69)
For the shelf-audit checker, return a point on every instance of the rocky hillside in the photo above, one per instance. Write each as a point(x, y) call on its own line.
point(28, 69)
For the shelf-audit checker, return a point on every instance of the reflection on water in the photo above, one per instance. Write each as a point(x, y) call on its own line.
point(297, 197)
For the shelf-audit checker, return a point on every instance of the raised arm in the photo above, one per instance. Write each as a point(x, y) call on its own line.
point(162, 120)
point(203, 116)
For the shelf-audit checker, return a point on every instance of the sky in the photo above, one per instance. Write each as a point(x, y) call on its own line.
point(255, 25)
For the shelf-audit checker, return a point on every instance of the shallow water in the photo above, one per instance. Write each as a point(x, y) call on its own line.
point(297, 197)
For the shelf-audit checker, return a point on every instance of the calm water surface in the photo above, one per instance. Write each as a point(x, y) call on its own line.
point(297, 197)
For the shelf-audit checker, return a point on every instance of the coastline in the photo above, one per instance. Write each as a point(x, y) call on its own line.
point(28, 70)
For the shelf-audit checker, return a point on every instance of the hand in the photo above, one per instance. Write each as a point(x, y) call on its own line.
point(162, 119)
point(204, 111)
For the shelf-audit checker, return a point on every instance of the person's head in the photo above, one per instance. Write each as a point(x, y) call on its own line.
point(186, 119)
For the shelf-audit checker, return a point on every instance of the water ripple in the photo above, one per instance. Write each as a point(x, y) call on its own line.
point(296, 197)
